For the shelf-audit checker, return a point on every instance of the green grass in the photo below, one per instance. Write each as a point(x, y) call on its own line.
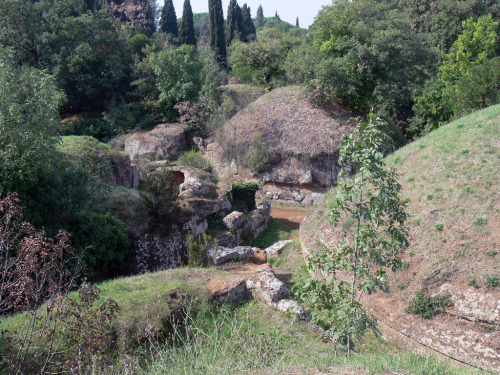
point(276, 231)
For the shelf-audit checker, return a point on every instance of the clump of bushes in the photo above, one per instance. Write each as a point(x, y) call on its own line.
point(197, 249)
point(427, 306)
point(192, 158)
point(244, 196)
point(262, 158)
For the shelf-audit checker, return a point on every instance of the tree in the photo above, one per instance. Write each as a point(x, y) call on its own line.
point(248, 27)
point(297, 22)
point(168, 21)
point(260, 16)
point(368, 218)
point(234, 23)
point(177, 76)
point(187, 35)
point(217, 40)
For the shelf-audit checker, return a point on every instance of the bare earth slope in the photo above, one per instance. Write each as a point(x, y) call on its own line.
point(299, 142)
point(451, 179)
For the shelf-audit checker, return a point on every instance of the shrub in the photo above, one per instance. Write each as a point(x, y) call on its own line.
point(426, 306)
point(473, 282)
point(197, 249)
point(439, 226)
point(262, 158)
point(492, 280)
point(481, 222)
point(194, 159)
point(244, 195)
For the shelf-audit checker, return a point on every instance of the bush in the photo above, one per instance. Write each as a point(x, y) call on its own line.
point(244, 195)
point(197, 249)
point(427, 307)
point(108, 243)
point(262, 158)
point(492, 280)
point(194, 159)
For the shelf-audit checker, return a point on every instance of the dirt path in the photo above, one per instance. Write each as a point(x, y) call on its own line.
point(289, 216)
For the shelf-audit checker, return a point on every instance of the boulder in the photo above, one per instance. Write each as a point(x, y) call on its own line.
point(265, 287)
point(222, 255)
point(291, 307)
point(163, 142)
point(275, 250)
point(234, 220)
point(123, 173)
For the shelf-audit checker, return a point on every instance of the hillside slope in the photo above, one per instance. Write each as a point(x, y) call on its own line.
point(451, 181)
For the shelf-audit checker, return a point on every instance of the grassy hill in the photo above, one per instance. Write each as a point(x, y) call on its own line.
point(450, 179)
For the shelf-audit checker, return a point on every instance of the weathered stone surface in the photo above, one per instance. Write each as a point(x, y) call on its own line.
point(265, 287)
point(275, 250)
point(291, 307)
point(123, 173)
point(259, 256)
point(224, 254)
point(163, 142)
point(234, 220)
point(156, 252)
point(229, 291)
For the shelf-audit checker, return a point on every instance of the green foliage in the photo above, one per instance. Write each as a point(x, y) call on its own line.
point(492, 280)
point(178, 77)
point(275, 231)
point(160, 193)
point(234, 23)
point(426, 306)
point(262, 157)
point(247, 26)
point(473, 282)
point(197, 249)
point(194, 159)
point(481, 221)
point(368, 216)
point(492, 253)
point(187, 35)
point(264, 57)
point(439, 226)
point(244, 195)
point(106, 240)
point(168, 21)
point(217, 40)
point(260, 16)
point(370, 57)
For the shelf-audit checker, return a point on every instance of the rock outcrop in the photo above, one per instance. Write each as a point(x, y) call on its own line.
point(165, 141)
point(294, 143)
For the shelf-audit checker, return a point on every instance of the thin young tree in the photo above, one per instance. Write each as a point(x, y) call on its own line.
point(234, 29)
point(217, 40)
point(248, 27)
point(260, 16)
point(168, 21)
point(187, 35)
point(368, 219)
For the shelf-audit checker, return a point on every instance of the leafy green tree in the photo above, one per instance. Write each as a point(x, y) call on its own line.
point(178, 77)
point(217, 39)
point(368, 218)
point(168, 21)
point(260, 16)
point(234, 23)
point(187, 35)
point(29, 107)
point(248, 27)
point(262, 61)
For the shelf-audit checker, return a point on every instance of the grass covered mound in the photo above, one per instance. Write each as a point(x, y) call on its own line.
point(450, 181)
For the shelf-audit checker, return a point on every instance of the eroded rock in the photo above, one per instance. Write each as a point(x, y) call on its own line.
point(275, 250)
point(234, 220)
point(222, 255)
point(265, 287)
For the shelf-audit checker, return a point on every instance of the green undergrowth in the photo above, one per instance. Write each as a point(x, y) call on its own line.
point(276, 231)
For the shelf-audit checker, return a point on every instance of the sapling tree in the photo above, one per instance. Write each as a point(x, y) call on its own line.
point(368, 219)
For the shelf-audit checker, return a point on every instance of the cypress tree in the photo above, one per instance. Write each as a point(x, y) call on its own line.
point(297, 22)
point(260, 16)
point(168, 21)
point(217, 41)
point(234, 29)
point(276, 17)
point(248, 26)
point(187, 27)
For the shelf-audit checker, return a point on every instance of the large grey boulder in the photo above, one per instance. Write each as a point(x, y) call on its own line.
point(234, 220)
point(163, 142)
point(266, 287)
point(222, 255)
point(275, 250)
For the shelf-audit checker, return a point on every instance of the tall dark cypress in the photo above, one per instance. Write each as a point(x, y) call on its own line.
point(297, 22)
point(217, 41)
point(168, 21)
point(249, 31)
point(234, 29)
point(260, 16)
point(187, 26)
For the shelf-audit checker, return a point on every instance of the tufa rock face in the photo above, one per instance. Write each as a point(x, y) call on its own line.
point(234, 220)
point(222, 255)
point(163, 142)
point(123, 173)
point(275, 250)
